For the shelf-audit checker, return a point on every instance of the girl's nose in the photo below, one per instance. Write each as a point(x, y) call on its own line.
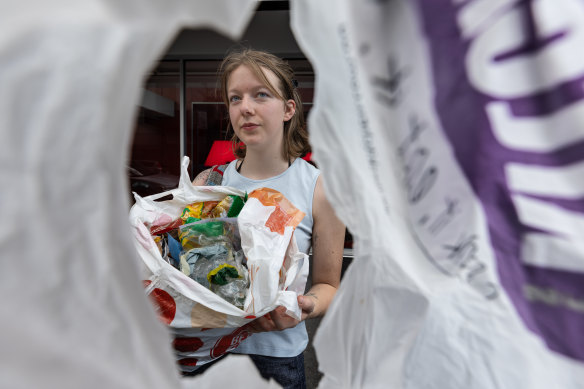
point(246, 105)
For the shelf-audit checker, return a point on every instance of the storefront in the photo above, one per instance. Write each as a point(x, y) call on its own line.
point(181, 111)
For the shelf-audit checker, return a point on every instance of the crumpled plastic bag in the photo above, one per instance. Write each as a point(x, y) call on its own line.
point(205, 325)
point(267, 222)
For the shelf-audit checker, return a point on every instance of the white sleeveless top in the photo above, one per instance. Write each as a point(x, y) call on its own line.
point(297, 184)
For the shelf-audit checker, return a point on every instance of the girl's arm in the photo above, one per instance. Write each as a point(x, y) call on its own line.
point(328, 238)
point(201, 178)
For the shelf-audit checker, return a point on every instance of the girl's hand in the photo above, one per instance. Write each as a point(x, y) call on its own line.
point(278, 320)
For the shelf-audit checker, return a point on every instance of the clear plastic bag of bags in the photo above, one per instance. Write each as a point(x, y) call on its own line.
point(213, 257)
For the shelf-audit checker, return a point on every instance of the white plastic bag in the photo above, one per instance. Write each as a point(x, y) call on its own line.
point(205, 325)
point(450, 137)
point(76, 314)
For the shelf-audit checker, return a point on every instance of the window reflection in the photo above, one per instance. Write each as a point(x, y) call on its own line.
point(154, 165)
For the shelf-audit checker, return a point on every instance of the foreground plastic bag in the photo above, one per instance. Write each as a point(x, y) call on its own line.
point(451, 139)
point(75, 315)
point(206, 326)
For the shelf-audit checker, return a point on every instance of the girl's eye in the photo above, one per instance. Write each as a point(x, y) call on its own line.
point(262, 94)
point(234, 99)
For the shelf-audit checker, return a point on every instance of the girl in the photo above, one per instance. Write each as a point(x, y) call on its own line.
point(266, 116)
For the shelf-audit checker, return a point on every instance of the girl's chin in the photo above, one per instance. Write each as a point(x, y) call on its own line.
point(251, 141)
point(252, 145)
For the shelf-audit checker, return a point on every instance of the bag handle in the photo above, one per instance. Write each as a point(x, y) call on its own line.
point(185, 180)
point(162, 194)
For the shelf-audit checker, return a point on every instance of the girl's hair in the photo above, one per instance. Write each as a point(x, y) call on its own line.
point(295, 142)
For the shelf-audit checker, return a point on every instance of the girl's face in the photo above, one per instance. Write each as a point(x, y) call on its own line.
point(257, 115)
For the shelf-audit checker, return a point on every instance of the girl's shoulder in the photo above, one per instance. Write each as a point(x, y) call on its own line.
point(308, 166)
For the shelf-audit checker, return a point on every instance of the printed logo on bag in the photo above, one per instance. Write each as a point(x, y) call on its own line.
point(164, 303)
point(494, 103)
point(229, 342)
point(187, 344)
point(188, 361)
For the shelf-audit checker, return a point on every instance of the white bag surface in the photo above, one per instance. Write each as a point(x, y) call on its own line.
point(74, 313)
point(454, 155)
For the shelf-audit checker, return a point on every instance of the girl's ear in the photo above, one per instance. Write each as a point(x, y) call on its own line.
point(290, 110)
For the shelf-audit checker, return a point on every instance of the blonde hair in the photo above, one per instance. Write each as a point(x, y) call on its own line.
point(295, 143)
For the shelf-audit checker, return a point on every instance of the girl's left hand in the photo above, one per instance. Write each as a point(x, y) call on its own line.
point(278, 320)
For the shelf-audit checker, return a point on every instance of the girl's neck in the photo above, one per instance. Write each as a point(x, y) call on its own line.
point(261, 166)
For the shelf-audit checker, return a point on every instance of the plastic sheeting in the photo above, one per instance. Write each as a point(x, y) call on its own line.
point(450, 137)
point(74, 312)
